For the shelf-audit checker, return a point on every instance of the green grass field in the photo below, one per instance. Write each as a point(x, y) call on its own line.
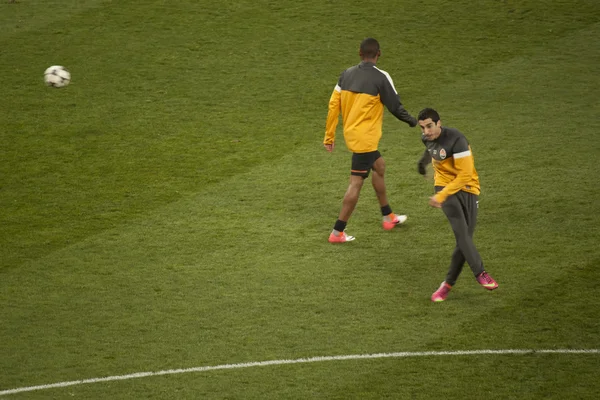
point(170, 208)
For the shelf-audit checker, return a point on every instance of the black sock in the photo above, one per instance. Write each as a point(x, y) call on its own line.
point(386, 210)
point(340, 225)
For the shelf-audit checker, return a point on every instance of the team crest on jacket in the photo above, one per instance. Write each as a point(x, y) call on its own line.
point(442, 154)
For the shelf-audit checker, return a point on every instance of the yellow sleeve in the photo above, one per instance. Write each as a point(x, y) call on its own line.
point(464, 166)
point(333, 115)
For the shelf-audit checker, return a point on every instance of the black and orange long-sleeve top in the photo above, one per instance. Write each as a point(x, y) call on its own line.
point(360, 95)
point(453, 164)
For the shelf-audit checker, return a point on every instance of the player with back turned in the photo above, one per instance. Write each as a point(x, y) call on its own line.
point(456, 193)
point(361, 93)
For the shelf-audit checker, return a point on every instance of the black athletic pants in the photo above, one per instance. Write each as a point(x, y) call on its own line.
point(461, 211)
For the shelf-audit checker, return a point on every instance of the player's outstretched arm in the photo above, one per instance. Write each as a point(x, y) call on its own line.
point(391, 99)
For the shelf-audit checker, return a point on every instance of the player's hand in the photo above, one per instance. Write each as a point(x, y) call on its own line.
point(434, 203)
point(329, 147)
point(421, 168)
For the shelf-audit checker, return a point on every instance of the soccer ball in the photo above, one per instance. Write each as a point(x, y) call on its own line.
point(57, 76)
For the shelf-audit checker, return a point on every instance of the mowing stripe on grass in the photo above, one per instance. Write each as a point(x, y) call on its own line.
point(298, 361)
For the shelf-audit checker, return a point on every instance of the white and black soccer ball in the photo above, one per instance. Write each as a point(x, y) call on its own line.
point(57, 76)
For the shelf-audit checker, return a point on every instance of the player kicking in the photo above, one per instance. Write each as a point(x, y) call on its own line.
point(456, 193)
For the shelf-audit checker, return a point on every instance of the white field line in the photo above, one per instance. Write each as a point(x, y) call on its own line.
point(297, 361)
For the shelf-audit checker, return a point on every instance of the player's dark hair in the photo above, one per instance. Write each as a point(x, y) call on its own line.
point(369, 48)
point(429, 113)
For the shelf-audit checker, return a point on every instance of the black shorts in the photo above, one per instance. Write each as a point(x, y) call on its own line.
point(362, 163)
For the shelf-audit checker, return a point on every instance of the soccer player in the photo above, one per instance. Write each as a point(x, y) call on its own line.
point(360, 95)
point(456, 193)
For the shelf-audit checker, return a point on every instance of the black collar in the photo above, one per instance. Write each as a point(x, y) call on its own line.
point(367, 64)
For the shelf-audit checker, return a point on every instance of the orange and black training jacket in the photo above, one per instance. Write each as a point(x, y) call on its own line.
point(360, 94)
point(453, 164)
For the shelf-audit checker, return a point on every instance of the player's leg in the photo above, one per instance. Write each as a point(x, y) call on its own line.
point(349, 202)
point(390, 220)
point(351, 197)
point(454, 210)
point(458, 259)
point(359, 171)
point(378, 181)
point(471, 206)
point(456, 265)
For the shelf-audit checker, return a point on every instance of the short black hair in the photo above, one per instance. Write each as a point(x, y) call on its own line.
point(429, 113)
point(369, 48)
